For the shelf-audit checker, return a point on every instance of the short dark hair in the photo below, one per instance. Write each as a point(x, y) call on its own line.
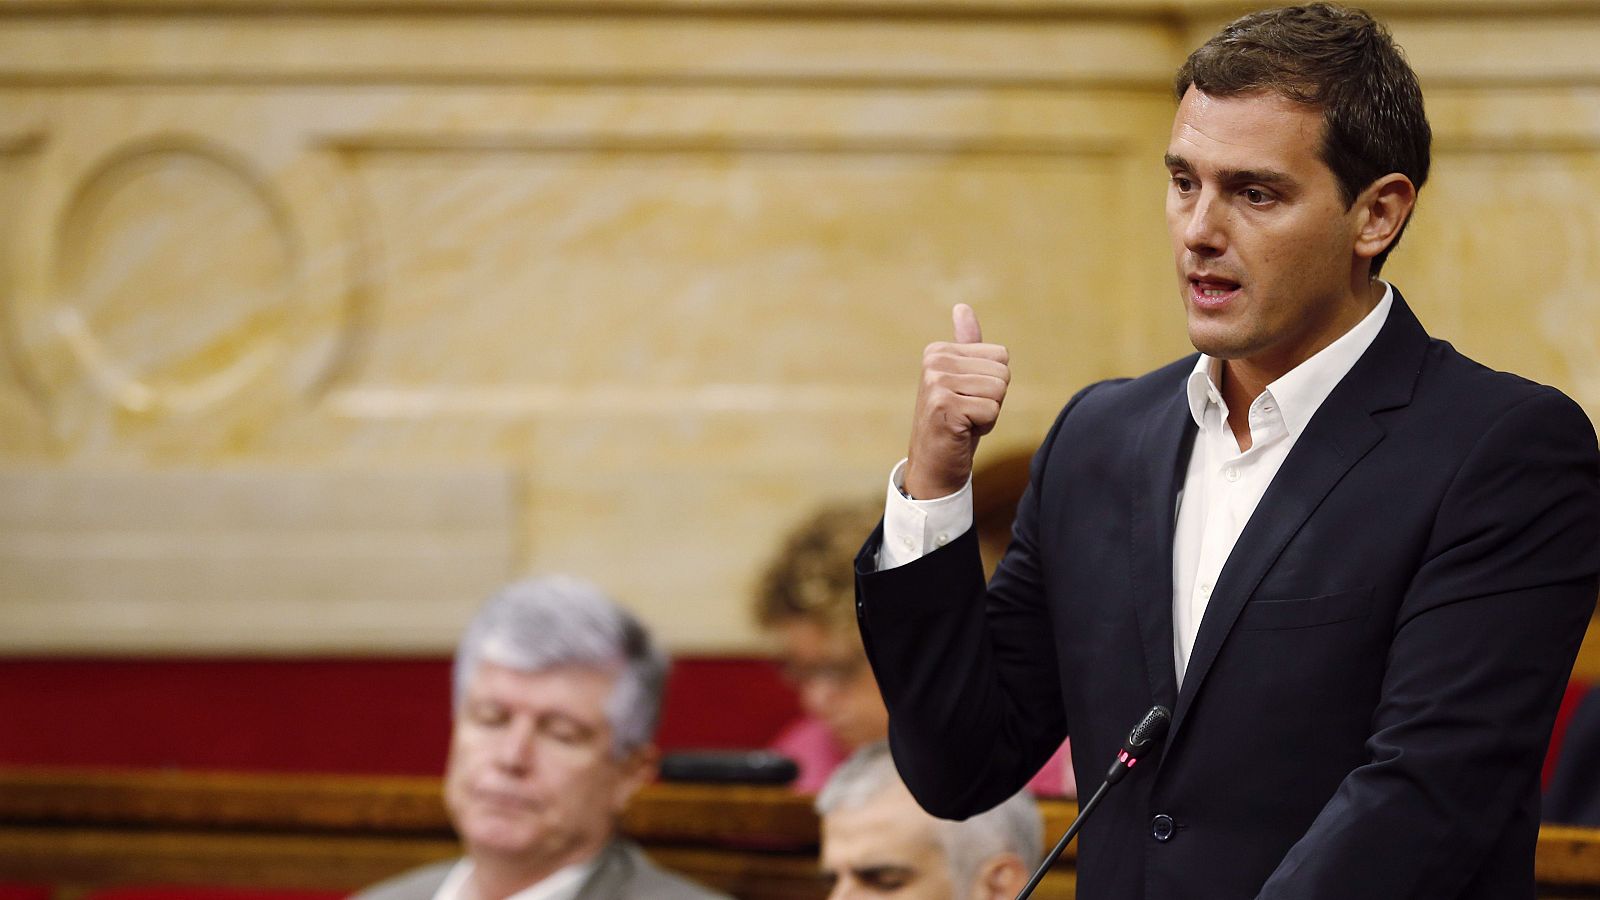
point(1336, 58)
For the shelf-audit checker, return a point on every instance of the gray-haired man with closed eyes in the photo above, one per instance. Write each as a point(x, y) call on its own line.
point(557, 695)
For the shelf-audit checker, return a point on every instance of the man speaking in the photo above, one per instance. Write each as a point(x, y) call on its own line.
point(1355, 564)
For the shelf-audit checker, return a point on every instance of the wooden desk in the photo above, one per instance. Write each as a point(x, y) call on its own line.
point(82, 830)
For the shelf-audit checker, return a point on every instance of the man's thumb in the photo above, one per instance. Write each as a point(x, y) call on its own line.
point(966, 321)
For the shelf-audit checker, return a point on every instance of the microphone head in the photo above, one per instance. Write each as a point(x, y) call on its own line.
point(1153, 727)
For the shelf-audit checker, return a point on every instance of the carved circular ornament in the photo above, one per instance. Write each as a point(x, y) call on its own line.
point(174, 274)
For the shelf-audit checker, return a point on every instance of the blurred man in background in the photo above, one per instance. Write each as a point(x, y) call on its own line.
point(877, 842)
point(557, 695)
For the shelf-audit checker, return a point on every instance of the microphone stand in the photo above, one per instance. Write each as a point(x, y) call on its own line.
point(1151, 729)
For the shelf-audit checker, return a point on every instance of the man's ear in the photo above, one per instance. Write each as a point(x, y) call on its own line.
point(1000, 877)
point(637, 769)
point(1382, 210)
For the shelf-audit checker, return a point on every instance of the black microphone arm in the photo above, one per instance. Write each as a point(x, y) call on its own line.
point(1144, 736)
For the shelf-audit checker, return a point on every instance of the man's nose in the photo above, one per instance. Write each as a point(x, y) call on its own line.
point(513, 749)
point(1205, 229)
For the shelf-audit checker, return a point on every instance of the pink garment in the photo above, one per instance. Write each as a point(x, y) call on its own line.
point(814, 749)
point(1055, 779)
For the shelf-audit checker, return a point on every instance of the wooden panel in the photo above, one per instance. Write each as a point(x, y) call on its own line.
point(224, 801)
point(96, 828)
point(91, 857)
point(1587, 667)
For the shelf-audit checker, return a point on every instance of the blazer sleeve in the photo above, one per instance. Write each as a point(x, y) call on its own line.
point(1482, 648)
point(967, 671)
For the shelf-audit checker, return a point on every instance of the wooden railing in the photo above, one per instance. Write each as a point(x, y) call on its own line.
point(79, 831)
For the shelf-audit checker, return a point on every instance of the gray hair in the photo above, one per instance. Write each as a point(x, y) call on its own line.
point(540, 623)
point(1014, 826)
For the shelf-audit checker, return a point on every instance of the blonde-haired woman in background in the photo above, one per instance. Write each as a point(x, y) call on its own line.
point(805, 602)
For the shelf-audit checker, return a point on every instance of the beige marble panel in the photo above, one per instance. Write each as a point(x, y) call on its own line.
point(663, 268)
point(259, 560)
point(168, 232)
point(479, 46)
point(1504, 252)
point(25, 432)
point(683, 546)
point(1504, 49)
point(1525, 306)
point(183, 270)
point(710, 315)
point(655, 278)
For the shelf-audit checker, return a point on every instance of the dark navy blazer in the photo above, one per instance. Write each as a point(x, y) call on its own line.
point(1373, 684)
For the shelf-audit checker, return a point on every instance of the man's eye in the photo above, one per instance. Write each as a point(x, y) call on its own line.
point(565, 730)
point(488, 714)
point(885, 880)
point(1256, 196)
point(1182, 183)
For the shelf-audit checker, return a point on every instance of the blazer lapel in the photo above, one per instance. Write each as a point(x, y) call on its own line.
point(1340, 433)
point(611, 876)
point(1162, 456)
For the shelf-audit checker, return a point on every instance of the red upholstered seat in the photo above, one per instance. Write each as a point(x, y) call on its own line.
point(1576, 690)
point(10, 891)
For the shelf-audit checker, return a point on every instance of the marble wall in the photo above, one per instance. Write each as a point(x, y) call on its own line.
point(322, 317)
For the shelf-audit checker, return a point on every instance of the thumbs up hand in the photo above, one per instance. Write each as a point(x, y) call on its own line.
point(958, 401)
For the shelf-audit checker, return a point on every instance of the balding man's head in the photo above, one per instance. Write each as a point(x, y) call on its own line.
point(876, 840)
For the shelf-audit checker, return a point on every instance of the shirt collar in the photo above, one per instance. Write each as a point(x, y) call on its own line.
point(1202, 389)
point(453, 884)
point(1300, 391)
point(563, 883)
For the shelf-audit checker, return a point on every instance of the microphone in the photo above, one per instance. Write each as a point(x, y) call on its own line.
point(1151, 729)
point(1143, 738)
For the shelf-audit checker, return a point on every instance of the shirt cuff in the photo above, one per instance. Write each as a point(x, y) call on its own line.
point(914, 528)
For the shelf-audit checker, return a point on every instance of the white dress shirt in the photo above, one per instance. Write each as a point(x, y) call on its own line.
point(563, 884)
point(1220, 490)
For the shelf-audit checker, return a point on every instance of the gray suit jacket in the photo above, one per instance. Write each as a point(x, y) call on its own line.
point(624, 873)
